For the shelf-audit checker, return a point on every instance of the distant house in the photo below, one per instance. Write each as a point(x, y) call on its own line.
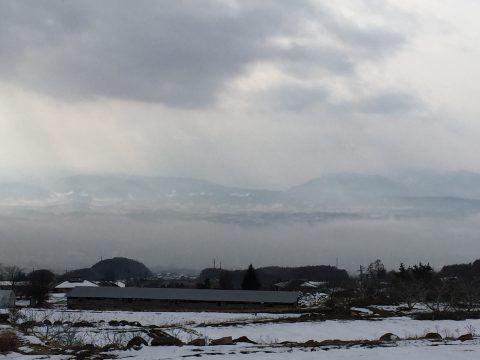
point(120, 284)
point(281, 285)
point(173, 299)
point(68, 285)
point(19, 287)
point(7, 299)
point(313, 285)
point(301, 285)
point(110, 283)
point(7, 285)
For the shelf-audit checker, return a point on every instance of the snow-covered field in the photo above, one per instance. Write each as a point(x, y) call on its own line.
point(417, 351)
point(270, 335)
point(245, 324)
point(344, 330)
point(402, 351)
point(149, 318)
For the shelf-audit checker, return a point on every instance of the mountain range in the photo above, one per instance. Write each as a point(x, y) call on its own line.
point(344, 195)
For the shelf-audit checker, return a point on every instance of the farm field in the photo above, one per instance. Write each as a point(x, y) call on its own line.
point(273, 336)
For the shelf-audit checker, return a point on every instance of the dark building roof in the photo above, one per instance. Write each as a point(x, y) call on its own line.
point(207, 295)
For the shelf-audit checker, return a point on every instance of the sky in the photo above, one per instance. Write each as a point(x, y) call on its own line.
point(246, 93)
point(256, 94)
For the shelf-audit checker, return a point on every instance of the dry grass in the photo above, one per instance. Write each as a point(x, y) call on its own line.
point(8, 342)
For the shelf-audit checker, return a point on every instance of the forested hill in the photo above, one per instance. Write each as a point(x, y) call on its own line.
point(464, 271)
point(118, 268)
point(271, 275)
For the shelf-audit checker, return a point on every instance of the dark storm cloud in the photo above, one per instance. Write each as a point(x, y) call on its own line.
point(180, 53)
point(156, 52)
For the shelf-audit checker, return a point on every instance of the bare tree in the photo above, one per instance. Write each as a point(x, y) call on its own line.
point(471, 295)
point(40, 283)
point(411, 285)
point(13, 274)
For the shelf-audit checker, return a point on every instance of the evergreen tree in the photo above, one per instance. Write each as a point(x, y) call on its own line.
point(225, 280)
point(206, 284)
point(250, 280)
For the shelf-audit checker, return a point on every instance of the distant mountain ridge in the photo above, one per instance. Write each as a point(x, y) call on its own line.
point(351, 183)
point(344, 195)
point(122, 185)
point(412, 183)
point(21, 191)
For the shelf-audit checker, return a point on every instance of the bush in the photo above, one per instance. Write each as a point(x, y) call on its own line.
point(8, 342)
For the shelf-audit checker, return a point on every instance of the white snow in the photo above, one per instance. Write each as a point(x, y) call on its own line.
point(344, 330)
point(313, 284)
point(15, 356)
point(362, 310)
point(404, 327)
point(72, 284)
point(415, 352)
point(186, 325)
point(312, 299)
point(120, 284)
point(150, 318)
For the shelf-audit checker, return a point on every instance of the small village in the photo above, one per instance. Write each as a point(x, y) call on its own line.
point(76, 318)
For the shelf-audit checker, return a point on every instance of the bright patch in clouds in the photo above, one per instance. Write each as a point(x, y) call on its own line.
point(253, 93)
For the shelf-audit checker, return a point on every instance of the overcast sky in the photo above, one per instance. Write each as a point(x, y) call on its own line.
point(250, 93)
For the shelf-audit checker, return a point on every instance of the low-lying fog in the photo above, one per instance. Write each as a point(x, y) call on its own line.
point(70, 242)
point(186, 223)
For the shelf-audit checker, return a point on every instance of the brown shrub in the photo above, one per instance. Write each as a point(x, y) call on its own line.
point(8, 342)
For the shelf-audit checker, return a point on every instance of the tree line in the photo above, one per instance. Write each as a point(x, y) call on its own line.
point(453, 292)
point(454, 289)
point(39, 282)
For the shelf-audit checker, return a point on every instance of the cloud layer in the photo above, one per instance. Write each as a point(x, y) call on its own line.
point(182, 54)
point(256, 93)
point(251, 93)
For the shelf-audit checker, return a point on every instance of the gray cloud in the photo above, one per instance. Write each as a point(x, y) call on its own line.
point(294, 98)
point(389, 102)
point(178, 53)
point(375, 39)
point(278, 92)
point(303, 60)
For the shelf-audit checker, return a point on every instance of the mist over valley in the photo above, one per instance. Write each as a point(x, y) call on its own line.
point(183, 222)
